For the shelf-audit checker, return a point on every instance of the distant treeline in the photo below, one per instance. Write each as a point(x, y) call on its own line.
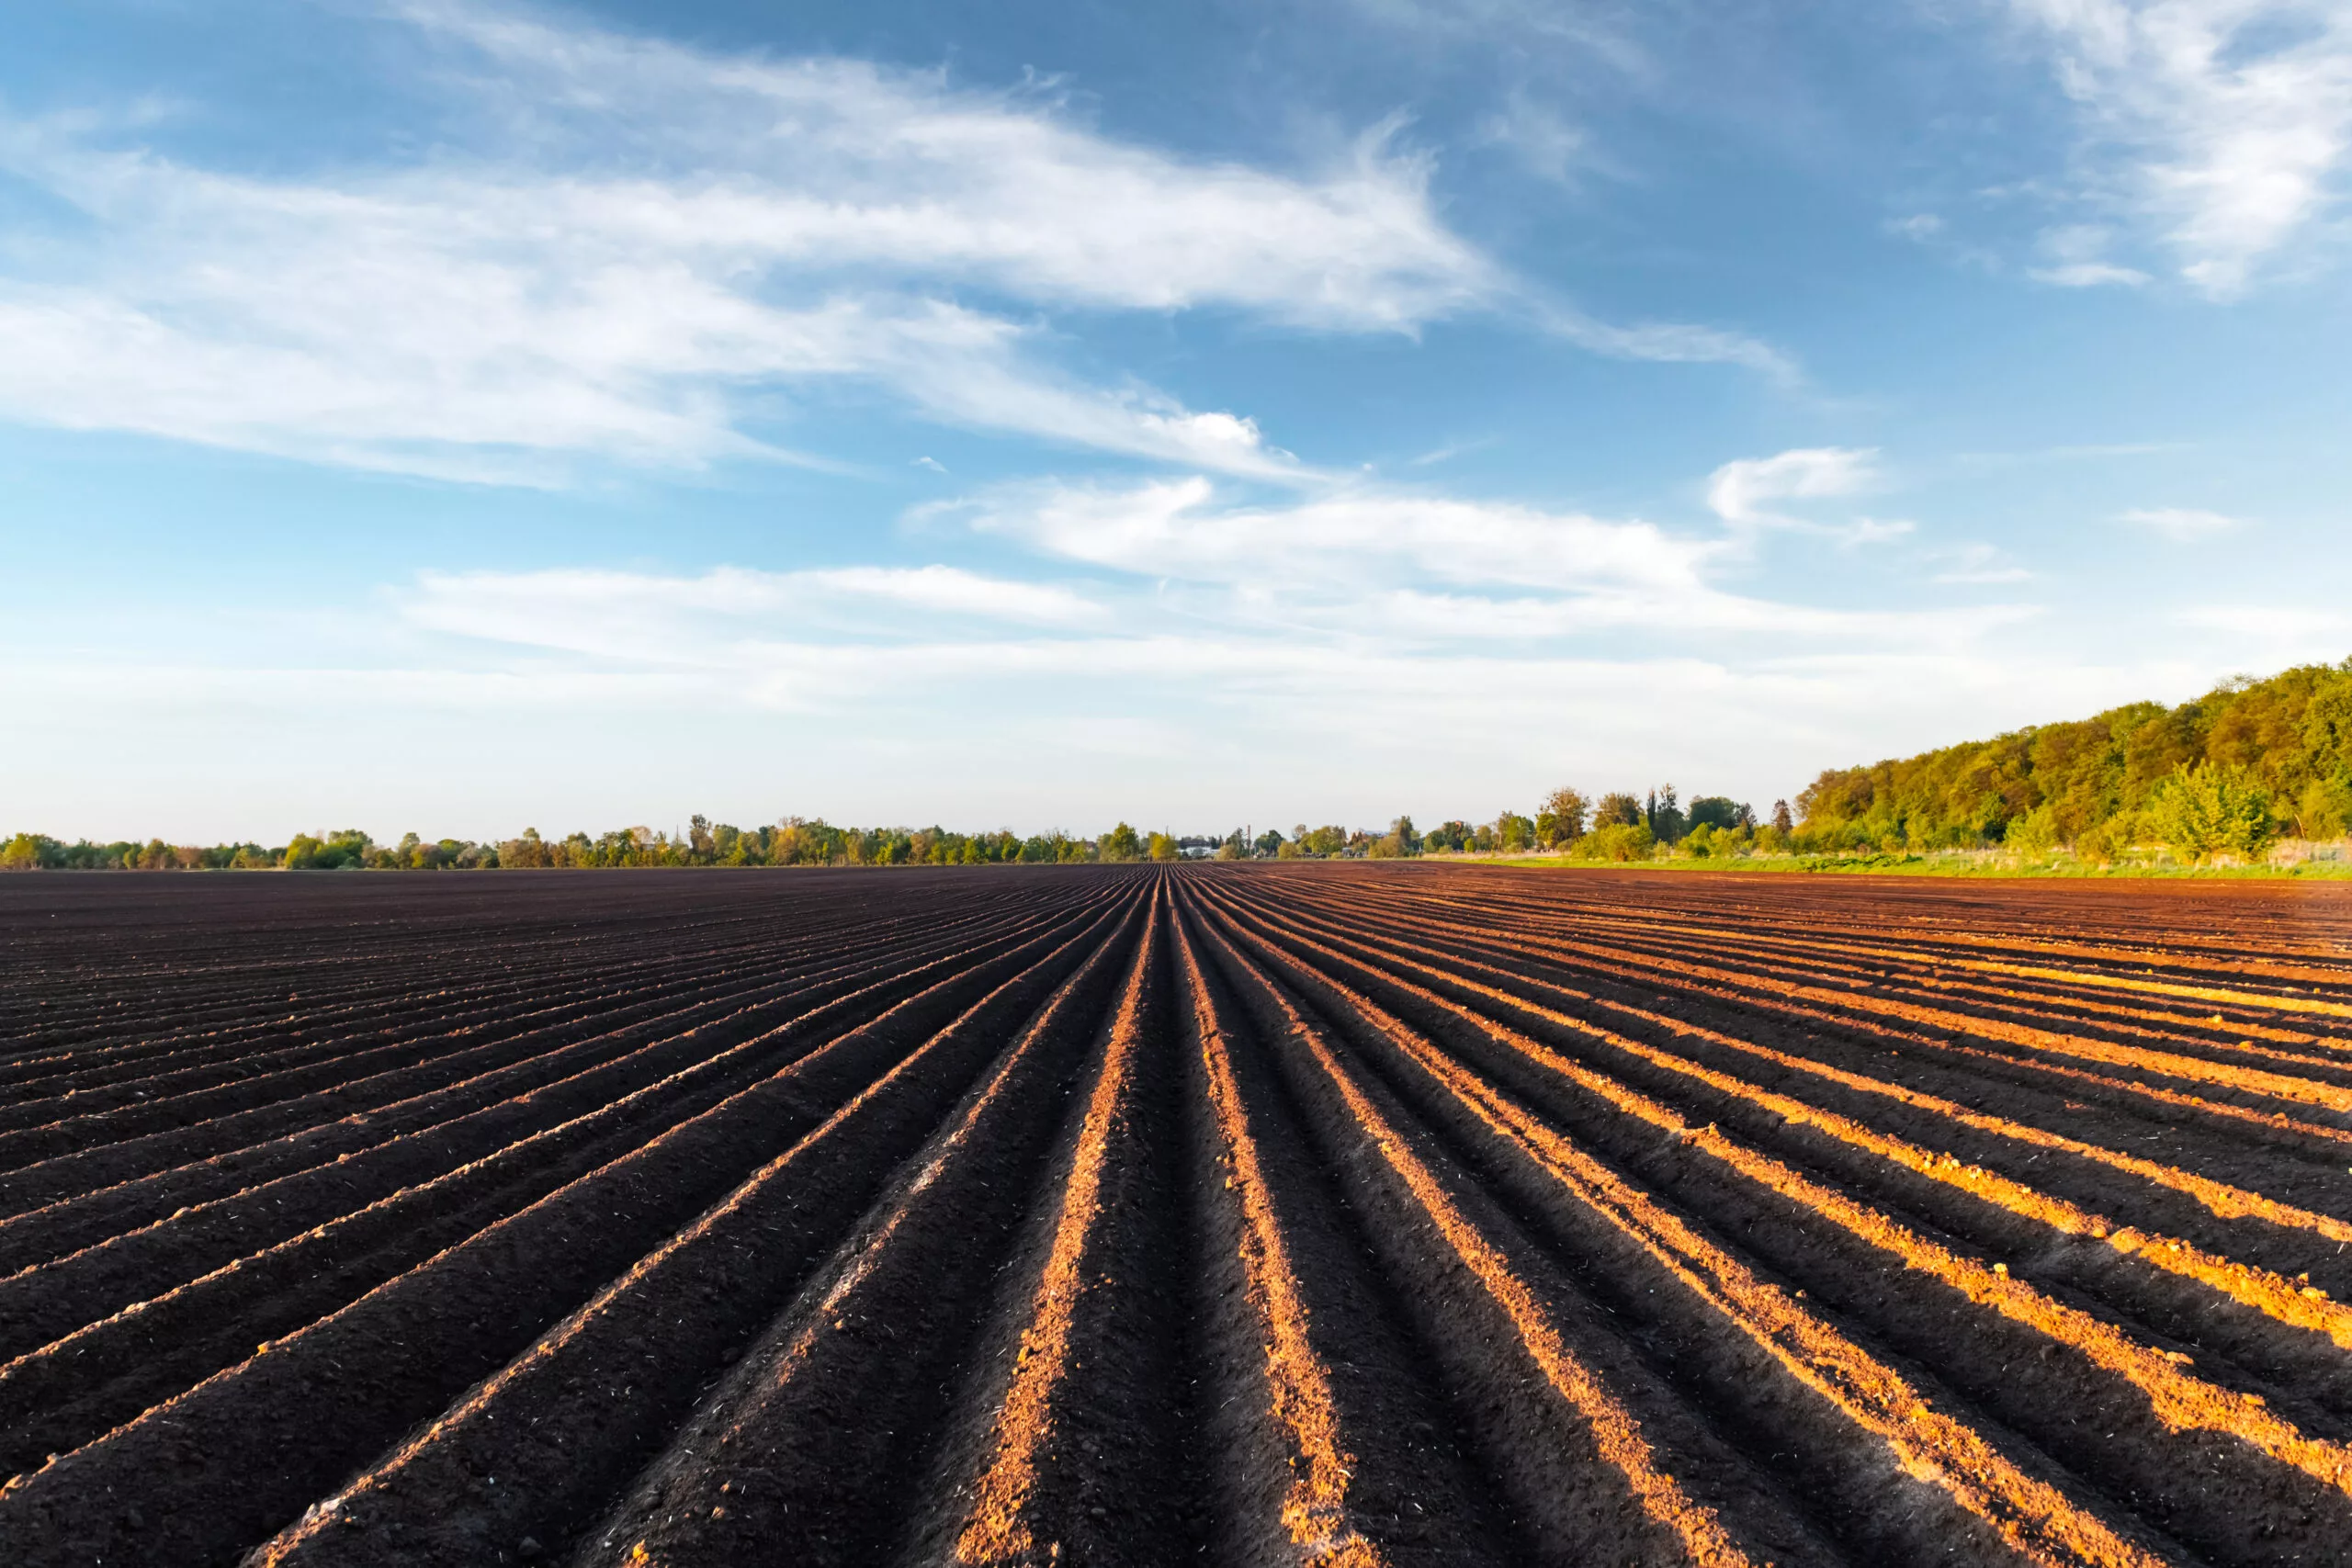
point(790, 842)
point(1616, 827)
point(2226, 774)
point(2223, 776)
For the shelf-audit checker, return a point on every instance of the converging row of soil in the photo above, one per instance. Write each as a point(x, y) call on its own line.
point(1134, 1216)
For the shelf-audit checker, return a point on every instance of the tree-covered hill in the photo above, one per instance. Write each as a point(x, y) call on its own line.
point(2223, 774)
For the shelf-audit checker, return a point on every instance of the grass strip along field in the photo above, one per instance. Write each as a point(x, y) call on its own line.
point(1363, 1215)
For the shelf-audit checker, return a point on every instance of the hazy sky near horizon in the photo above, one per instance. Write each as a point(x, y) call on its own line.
point(451, 416)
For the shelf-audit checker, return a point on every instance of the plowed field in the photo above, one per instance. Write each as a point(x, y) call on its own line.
point(1318, 1214)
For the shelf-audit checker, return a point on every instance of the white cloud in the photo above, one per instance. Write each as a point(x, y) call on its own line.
point(2273, 623)
point(648, 235)
point(1398, 567)
point(1547, 144)
point(1667, 342)
point(2089, 274)
point(2179, 524)
point(1920, 226)
point(1181, 529)
point(1397, 637)
point(1977, 563)
point(623, 247)
point(838, 164)
point(2221, 124)
point(711, 619)
point(2078, 259)
point(1743, 492)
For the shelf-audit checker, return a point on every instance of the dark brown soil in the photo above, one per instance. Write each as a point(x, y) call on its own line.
point(1322, 1214)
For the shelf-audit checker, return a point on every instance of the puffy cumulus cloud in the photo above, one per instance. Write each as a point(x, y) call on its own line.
point(2221, 124)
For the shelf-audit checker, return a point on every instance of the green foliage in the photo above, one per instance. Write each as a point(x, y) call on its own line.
point(1324, 842)
point(28, 851)
point(1450, 837)
point(2035, 834)
point(335, 851)
point(2324, 810)
point(2103, 783)
point(1710, 841)
point(1560, 818)
point(2213, 808)
point(1617, 809)
point(1616, 842)
point(1720, 811)
point(1121, 843)
point(1666, 823)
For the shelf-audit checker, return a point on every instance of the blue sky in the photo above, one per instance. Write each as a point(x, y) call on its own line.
point(452, 416)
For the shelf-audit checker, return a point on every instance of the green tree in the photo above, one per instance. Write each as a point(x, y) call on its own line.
point(2211, 809)
point(1450, 837)
point(1617, 809)
point(1617, 841)
point(1121, 844)
point(1720, 811)
point(1560, 818)
point(1324, 842)
point(2100, 777)
point(29, 851)
point(2036, 833)
point(2324, 810)
point(1664, 816)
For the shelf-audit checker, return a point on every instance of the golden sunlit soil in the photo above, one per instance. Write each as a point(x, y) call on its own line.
point(1333, 1214)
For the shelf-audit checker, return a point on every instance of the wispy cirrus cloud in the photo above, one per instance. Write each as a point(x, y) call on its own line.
point(2273, 623)
point(632, 238)
point(1977, 563)
point(668, 617)
point(2220, 126)
point(2179, 524)
point(1410, 568)
point(1183, 529)
point(646, 252)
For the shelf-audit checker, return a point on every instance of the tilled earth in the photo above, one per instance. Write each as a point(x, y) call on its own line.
point(1316, 1214)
